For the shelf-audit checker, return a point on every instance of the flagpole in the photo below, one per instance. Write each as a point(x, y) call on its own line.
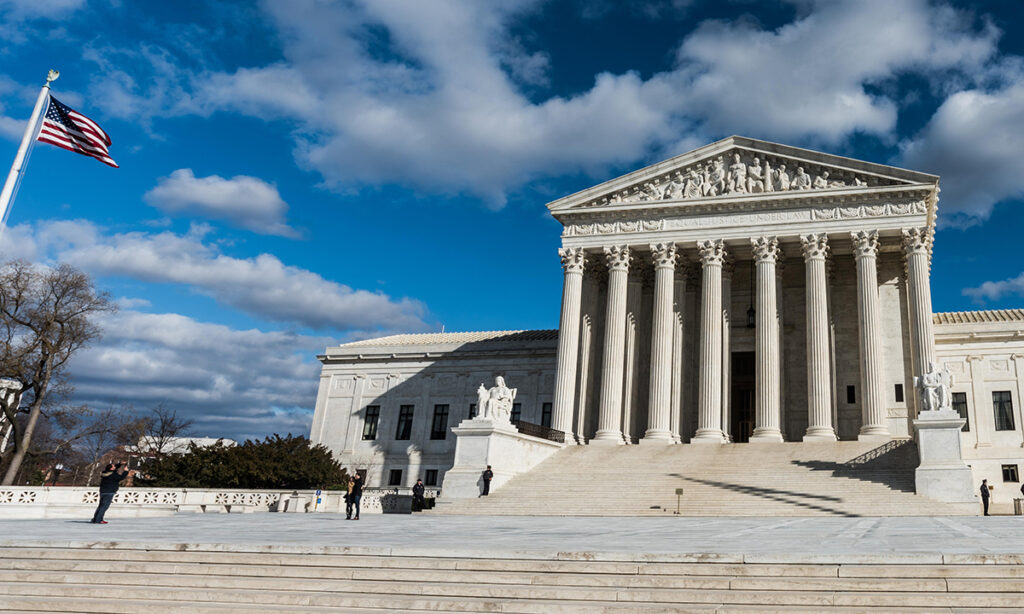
point(7, 195)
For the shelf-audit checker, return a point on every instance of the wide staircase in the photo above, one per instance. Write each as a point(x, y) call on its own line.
point(113, 579)
point(846, 478)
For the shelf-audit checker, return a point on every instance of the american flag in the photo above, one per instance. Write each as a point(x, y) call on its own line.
point(67, 128)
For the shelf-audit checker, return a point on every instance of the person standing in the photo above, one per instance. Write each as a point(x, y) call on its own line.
point(488, 474)
point(984, 495)
point(348, 499)
point(110, 480)
point(418, 503)
point(357, 493)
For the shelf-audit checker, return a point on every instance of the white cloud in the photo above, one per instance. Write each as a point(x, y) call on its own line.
point(443, 110)
point(248, 202)
point(262, 286)
point(233, 383)
point(973, 143)
point(995, 290)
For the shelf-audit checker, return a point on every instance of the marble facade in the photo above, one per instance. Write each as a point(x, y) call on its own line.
point(743, 292)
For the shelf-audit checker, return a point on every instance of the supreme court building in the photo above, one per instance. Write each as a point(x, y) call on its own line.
point(745, 291)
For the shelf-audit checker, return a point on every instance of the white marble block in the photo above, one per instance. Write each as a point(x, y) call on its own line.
point(481, 442)
point(942, 474)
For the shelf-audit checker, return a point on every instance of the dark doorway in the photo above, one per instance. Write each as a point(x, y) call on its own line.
point(742, 396)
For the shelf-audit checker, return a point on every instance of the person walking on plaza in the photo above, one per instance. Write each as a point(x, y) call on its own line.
point(984, 495)
point(348, 499)
point(488, 474)
point(418, 503)
point(110, 479)
point(357, 493)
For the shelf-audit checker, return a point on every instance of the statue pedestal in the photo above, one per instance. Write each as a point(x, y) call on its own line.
point(942, 474)
point(481, 442)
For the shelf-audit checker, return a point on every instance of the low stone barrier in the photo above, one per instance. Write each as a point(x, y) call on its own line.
point(79, 502)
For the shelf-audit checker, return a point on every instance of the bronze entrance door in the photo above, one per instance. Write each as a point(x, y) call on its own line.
point(742, 396)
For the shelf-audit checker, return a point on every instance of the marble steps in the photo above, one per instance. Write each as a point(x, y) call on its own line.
point(105, 578)
point(787, 479)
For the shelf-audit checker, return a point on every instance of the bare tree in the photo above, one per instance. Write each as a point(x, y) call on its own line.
point(160, 428)
point(46, 316)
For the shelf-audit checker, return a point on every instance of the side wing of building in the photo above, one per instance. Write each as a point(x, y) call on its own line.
point(386, 406)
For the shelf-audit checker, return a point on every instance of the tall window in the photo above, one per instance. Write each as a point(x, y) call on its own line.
point(851, 394)
point(370, 424)
point(395, 477)
point(960, 405)
point(517, 412)
point(431, 478)
point(1003, 407)
point(439, 427)
point(472, 411)
point(1010, 473)
point(404, 430)
point(545, 415)
point(899, 393)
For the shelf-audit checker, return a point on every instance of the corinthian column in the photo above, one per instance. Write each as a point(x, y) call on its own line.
point(658, 427)
point(917, 244)
point(768, 391)
point(819, 363)
point(568, 340)
point(609, 426)
point(865, 247)
point(709, 404)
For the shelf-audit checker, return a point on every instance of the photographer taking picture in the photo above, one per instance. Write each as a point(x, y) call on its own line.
point(110, 480)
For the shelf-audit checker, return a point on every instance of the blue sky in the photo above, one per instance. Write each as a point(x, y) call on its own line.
point(296, 174)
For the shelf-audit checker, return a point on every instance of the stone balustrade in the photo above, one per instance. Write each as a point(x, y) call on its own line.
point(73, 501)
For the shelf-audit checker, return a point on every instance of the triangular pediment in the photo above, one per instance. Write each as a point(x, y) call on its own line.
point(740, 167)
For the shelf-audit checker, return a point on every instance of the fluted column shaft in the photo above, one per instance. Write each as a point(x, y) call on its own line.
point(609, 426)
point(568, 341)
point(768, 390)
point(678, 318)
point(658, 412)
point(873, 426)
point(917, 244)
point(709, 404)
point(819, 362)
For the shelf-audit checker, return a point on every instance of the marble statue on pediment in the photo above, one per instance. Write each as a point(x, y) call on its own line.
point(694, 184)
point(769, 183)
point(496, 403)
point(857, 181)
point(651, 192)
point(820, 182)
point(933, 387)
point(737, 176)
point(781, 179)
point(755, 180)
point(715, 184)
point(674, 188)
point(801, 181)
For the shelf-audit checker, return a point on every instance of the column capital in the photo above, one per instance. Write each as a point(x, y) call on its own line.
point(916, 241)
point(766, 249)
point(865, 243)
point(573, 259)
point(711, 251)
point(815, 247)
point(663, 255)
point(617, 257)
point(728, 266)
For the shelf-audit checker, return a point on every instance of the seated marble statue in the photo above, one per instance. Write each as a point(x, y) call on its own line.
point(933, 387)
point(496, 404)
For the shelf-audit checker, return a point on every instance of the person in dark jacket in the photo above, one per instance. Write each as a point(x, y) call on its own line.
point(418, 502)
point(110, 480)
point(348, 499)
point(488, 474)
point(984, 495)
point(357, 493)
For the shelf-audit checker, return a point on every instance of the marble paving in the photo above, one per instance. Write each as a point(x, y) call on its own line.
point(898, 538)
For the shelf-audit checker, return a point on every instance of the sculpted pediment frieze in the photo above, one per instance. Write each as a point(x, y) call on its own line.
point(738, 167)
